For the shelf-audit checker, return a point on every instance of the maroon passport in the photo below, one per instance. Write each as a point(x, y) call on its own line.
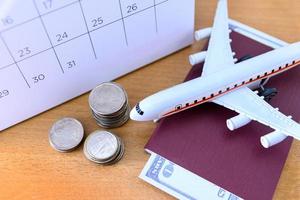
point(198, 139)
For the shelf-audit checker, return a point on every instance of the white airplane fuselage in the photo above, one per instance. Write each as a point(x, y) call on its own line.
point(209, 87)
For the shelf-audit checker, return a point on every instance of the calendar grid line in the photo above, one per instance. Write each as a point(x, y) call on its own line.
point(41, 37)
point(18, 67)
point(74, 38)
point(40, 52)
point(34, 18)
point(124, 27)
point(147, 8)
point(70, 4)
point(155, 16)
point(125, 17)
point(161, 2)
point(87, 28)
point(95, 29)
point(19, 24)
point(78, 36)
point(45, 29)
point(6, 66)
point(34, 54)
point(137, 12)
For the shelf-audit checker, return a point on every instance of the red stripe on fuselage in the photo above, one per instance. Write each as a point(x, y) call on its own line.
point(234, 88)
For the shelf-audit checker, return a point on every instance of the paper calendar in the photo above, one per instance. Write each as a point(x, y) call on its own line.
point(54, 50)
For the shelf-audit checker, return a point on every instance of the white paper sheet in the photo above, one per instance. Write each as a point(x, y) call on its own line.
point(54, 50)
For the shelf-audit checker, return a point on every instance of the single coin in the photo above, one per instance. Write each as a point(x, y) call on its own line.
point(101, 146)
point(66, 134)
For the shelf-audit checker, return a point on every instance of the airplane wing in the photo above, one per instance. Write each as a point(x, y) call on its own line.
point(247, 102)
point(219, 53)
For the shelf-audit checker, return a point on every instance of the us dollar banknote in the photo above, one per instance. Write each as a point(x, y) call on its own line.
point(181, 183)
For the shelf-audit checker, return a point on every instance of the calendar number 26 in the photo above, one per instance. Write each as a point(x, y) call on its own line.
point(132, 8)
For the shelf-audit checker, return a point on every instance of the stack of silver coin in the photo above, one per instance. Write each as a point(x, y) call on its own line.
point(109, 105)
point(103, 147)
point(66, 134)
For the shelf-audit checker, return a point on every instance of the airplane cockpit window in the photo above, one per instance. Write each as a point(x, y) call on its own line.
point(138, 109)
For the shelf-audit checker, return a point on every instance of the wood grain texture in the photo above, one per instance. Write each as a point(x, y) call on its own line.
point(31, 169)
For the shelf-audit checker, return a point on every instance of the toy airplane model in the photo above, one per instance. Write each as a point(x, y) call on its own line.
point(229, 84)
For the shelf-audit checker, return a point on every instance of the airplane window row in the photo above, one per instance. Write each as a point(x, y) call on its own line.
point(178, 107)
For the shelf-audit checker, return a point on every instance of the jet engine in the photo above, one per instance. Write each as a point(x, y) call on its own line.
point(202, 34)
point(272, 139)
point(237, 122)
point(197, 58)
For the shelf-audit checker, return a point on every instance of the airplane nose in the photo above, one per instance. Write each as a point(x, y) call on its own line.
point(134, 115)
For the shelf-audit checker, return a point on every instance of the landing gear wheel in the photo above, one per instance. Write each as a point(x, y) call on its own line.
point(268, 93)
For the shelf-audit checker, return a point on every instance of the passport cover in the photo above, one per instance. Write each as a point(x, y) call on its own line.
point(198, 139)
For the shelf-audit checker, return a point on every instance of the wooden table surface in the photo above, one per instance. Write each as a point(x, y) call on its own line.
point(31, 169)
